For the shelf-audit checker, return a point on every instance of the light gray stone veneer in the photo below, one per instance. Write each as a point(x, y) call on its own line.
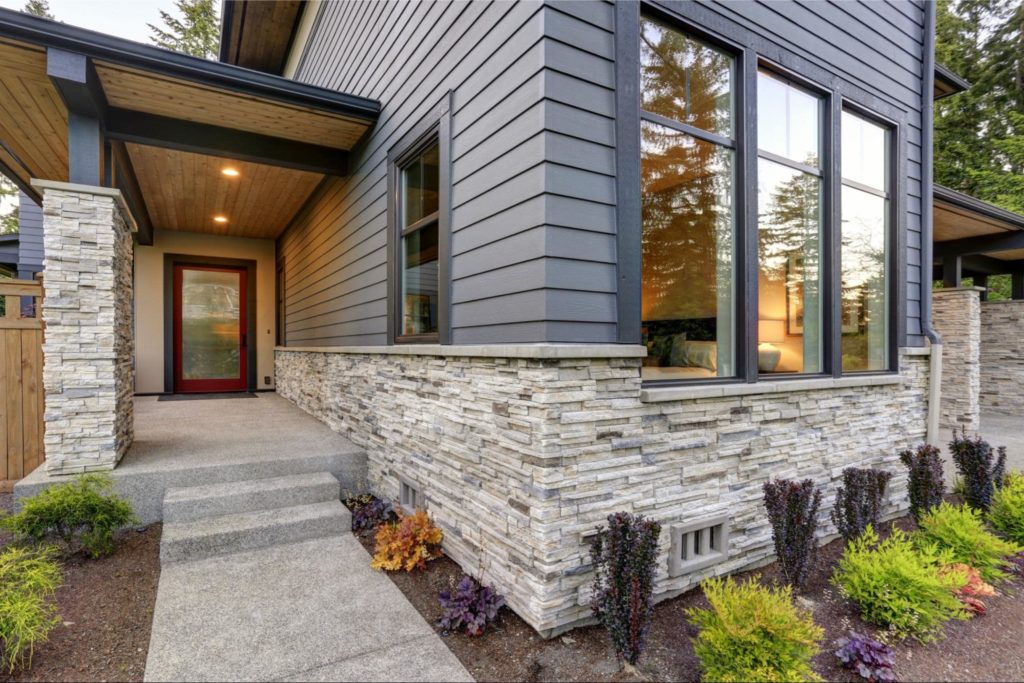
point(1002, 356)
point(956, 315)
point(521, 458)
point(88, 377)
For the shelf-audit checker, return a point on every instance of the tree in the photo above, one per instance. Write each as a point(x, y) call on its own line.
point(8, 195)
point(197, 33)
point(39, 8)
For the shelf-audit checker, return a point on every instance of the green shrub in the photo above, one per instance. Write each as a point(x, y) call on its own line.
point(29, 579)
point(898, 585)
point(961, 531)
point(84, 512)
point(1007, 512)
point(753, 633)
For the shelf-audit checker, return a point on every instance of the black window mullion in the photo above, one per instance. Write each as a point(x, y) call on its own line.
point(424, 222)
point(832, 247)
point(747, 219)
point(693, 131)
point(789, 163)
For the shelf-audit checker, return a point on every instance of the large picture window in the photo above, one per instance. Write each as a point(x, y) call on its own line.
point(866, 244)
point(688, 216)
point(789, 176)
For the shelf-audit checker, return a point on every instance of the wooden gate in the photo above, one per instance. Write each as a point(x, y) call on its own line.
point(21, 380)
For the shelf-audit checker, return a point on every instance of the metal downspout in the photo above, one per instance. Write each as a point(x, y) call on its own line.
point(928, 183)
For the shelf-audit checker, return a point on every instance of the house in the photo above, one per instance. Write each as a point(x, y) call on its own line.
point(541, 261)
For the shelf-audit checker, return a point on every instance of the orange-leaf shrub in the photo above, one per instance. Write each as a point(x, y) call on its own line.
point(970, 593)
point(407, 544)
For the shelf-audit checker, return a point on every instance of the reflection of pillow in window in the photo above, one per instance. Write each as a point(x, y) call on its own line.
point(702, 354)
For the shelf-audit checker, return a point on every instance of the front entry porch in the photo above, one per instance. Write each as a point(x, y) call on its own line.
point(219, 440)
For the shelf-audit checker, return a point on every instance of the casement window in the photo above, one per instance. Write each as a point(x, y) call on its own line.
point(761, 253)
point(418, 207)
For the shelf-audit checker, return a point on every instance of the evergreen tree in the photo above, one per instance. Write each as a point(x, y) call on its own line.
point(39, 8)
point(197, 33)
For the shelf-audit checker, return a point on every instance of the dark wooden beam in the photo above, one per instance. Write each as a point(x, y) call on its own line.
point(1017, 285)
point(1004, 241)
point(982, 281)
point(201, 138)
point(75, 79)
point(16, 178)
point(128, 183)
point(951, 275)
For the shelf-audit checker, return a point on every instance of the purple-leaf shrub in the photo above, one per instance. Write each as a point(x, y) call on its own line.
point(470, 607)
point(871, 659)
point(982, 468)
point(625, 557)
point(793, 512)
point(859, 500)
point(372, 514)
point(926, 483)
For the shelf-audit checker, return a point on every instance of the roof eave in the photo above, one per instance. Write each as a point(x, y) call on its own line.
point(983, 208)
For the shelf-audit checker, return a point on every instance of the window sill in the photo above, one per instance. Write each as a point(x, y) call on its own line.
point(658, 394)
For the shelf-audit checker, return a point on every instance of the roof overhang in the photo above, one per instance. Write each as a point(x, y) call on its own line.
point(947, 83)
point(258, 35)
point(985, 238)
point(65, 92)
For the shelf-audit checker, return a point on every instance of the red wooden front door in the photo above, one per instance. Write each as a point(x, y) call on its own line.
point(210, 327)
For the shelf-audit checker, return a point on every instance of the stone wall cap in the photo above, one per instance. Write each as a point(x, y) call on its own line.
point(485, 350)
point(944, 290)
point(1002, 301)
point(916, 351)
point(677, 393)
point(77, 188)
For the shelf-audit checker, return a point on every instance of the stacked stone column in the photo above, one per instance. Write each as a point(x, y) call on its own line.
point(956, 314)
point(88, 373)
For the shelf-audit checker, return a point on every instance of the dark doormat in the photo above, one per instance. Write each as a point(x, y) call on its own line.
point(203, 397)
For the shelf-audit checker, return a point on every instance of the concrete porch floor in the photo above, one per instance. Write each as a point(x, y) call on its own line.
point(191, 442)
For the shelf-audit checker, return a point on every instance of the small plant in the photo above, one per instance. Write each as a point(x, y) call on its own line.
point(972, 592)
point(1006, 515)
point(898, 585)
point(793, 512)
point(927, 486)
point(368, 515)
point(470, 607)
point(981, 468)
point(625, 556)
point(753, 633)
point(859, 500)
point(872, 660)
point(29, 579)
point(961, 531)
point(407, 543)
point(83, 513)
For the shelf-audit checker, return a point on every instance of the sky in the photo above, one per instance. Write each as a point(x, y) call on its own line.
point(123, 18)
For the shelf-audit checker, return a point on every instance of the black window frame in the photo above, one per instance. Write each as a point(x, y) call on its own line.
point(752, 54)
point(434, 129)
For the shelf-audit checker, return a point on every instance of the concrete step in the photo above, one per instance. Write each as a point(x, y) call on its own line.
point(200, 538)
point(227, 498)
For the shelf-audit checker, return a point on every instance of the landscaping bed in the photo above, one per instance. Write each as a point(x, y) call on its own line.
point(106, 611)
point(986, 648)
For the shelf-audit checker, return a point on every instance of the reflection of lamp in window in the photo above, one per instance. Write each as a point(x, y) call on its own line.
point(769, 332)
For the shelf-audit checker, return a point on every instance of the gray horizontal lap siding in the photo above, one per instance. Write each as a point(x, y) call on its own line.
point(30, 229)
point(533, 229)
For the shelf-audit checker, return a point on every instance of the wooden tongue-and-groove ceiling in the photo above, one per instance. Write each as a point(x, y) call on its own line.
point(181, 190)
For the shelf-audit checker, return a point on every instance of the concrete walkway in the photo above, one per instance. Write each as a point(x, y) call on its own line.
point(1005, 430)
point(309, 611)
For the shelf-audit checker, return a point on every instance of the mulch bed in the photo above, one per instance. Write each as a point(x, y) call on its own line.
point(106, 609)
point(986, 648)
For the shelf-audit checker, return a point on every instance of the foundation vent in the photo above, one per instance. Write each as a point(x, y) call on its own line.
point(697, 545)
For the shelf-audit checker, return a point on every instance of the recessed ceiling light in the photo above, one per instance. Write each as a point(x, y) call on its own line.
point(220, 219)
point(230, 172)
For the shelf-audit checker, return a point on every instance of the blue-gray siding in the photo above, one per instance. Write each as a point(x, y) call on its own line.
point(30, 228)
point(533, 169)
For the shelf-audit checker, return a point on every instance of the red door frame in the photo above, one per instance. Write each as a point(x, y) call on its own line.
point(212, 385)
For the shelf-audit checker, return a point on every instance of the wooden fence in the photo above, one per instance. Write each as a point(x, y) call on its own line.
point(21, 380)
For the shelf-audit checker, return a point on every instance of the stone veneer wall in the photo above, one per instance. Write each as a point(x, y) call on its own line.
point(956, 315)
point(1002, 356)
point(520, 458)
point(88, 376)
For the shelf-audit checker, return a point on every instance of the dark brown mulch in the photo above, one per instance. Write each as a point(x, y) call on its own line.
point(987, 648)
point(106, 609)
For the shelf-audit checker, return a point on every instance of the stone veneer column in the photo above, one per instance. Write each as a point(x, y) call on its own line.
point(88, 373)
point(1002, 356)
point(956, 314)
